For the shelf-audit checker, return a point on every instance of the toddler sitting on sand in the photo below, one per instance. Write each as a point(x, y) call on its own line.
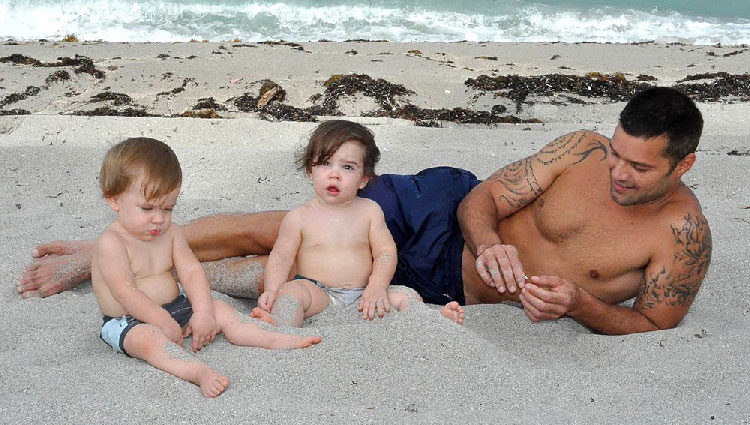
point(340, 243)
point(145, 314)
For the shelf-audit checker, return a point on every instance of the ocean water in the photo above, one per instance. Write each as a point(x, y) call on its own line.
point(686, 21)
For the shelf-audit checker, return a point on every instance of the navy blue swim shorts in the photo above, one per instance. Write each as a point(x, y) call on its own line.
point(420, 212)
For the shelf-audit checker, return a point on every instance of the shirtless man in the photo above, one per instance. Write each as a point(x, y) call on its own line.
point(593, 221)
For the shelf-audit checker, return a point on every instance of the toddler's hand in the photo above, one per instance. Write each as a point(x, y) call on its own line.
point(204, 329)
point(374, 299)
point(266, 300)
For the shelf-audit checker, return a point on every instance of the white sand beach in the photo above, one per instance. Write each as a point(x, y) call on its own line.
point(413, 367)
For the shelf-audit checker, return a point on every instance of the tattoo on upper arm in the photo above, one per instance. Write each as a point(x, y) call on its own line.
point(519, 178)
point(676, 285)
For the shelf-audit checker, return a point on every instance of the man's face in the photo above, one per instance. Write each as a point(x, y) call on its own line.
point(639, 173)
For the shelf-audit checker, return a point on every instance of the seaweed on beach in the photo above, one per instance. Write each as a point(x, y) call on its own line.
point(208, 103)
point(381, 90)
point(739, 152)
point(429, 117)
point(107, 111)
point(59, 75)
point(722, 85)
point(295, 46)
point(14, 112)
point(117, 99)
point(268, 104)
point(17, 97)
point(203, 113)
point(84, 64)
point(175, 90)
point(19, 59)
point(517, 88)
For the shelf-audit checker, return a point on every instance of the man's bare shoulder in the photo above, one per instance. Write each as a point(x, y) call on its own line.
point(574, 148)
point(683, 219)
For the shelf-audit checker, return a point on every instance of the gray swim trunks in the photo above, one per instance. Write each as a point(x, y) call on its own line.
point(114, 329)
point(343, 297)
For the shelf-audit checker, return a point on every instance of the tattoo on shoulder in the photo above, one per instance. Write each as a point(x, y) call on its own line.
point(579, 145)
point(519, 178)
point(678, 283)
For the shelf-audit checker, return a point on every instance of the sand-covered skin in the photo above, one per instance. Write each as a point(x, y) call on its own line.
point(413, 367)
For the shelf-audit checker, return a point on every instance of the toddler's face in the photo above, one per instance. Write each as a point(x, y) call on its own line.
point(143, 219)
point(337, 180)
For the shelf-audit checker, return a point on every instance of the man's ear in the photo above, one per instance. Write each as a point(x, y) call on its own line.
point(113, 203)
point(685, 164)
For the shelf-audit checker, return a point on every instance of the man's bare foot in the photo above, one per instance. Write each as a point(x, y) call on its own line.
point(259, 313)
point(58, 266)
point(287, 342)
point(454, 312)
point(212, 383)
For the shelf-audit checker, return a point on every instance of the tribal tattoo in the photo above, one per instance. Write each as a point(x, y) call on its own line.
point(678, 285)
point(519, 178)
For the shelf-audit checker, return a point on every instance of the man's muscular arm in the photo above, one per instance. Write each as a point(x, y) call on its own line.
point(511, 189)
point(670, 283)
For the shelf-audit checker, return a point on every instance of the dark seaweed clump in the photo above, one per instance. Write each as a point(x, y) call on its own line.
point(722, 85)
point(381, 90)
point(16, 97)
point(59, 75)
point(117, 99)
point(176, 89)
point(517, 88)
point(15, 112)
point(268, 105)
point(429, 117)
point(106, 111)
point(84, 64)
point(208, 103)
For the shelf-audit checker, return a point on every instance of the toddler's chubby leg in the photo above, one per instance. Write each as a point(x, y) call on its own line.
point(240, 331)
point(149, 343)
point(295, 301)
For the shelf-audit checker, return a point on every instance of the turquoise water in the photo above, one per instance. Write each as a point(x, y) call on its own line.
point(687, 21)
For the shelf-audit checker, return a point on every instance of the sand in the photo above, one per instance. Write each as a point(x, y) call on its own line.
point(413, 367)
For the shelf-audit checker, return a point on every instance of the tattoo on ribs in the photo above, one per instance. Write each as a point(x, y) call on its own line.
point(678, 285)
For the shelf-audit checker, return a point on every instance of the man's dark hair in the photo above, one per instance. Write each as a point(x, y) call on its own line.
point(664, 111)
point(328, 137)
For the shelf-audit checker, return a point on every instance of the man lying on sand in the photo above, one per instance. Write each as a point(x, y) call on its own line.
point(593, 221)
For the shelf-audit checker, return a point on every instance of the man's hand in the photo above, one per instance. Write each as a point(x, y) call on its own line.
point(548, 297)
point(498, 266)
point(374, 298)
point(266, 299)
point(203, 326)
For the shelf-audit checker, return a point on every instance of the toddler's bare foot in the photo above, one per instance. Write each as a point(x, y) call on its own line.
point(287, 342)
point(454, 312)
point(212, 383)
point(259, 313)
point(58, 266)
